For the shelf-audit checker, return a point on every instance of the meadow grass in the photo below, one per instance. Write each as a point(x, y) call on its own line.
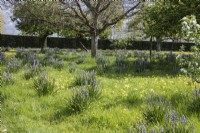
point(121, 105)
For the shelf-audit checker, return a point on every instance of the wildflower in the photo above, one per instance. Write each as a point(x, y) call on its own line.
point(174, 116)
point(183, 119)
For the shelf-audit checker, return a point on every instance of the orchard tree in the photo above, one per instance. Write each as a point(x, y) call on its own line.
point(161, 19)
point(37, 18)
point(94, 17)
point(86, 17)
point(191, 65)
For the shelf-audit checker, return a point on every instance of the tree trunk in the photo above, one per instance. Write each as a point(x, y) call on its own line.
point(150, 48)
point(94, 35)
point(43, 42)
point(94, 45)
point(158, 44)
point(173, 41)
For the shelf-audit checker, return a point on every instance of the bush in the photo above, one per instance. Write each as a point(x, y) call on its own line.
point(43, 85)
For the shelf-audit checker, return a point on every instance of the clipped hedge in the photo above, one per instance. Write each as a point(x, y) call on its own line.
point(74, 43)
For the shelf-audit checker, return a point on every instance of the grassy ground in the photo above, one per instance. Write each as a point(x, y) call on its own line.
point(120, 107)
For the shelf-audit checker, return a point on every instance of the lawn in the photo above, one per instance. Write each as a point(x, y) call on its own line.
point(132, 94)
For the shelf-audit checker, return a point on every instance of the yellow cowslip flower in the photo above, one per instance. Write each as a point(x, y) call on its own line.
point(127, 86)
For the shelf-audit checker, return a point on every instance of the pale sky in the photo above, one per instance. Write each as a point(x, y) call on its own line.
point(9, 26)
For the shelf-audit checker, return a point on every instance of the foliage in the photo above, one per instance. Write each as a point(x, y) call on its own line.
point(178, 124)
point(59, 65)
point(122, 43)
point(72, 67)
point(194, 105)
point(20, 53)
point(190, 66)
point(116, 108)
point(173, 124)
point(2, 58)
point(81, 59)
point(85, 78)
point(102, 63)
point(163, 118)
point(30, 21)
point(44, 85)
point(156, 109)
point(33, 70)
point(141, 64)
point(6, 78)
point(5, 49)
point(80, 100)
point(13, 65)
point(161, 19)
point(121, 60)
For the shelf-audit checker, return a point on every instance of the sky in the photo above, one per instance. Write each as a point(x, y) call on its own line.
point(9, 26)
point(10, 29)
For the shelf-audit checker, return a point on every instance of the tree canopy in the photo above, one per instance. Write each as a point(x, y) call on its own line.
point(85, 18)
point(162, 19)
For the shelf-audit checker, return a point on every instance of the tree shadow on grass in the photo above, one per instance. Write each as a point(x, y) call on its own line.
point(126, 102)
point(131, 71)
point(61, 114)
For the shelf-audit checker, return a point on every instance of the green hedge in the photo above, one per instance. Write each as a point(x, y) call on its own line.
point(74, 43)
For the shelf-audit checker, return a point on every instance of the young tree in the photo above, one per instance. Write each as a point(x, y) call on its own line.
point(191, 65)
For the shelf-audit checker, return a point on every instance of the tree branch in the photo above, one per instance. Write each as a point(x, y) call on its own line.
point(117, 19)
point(83, 15)
point(104, 8)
